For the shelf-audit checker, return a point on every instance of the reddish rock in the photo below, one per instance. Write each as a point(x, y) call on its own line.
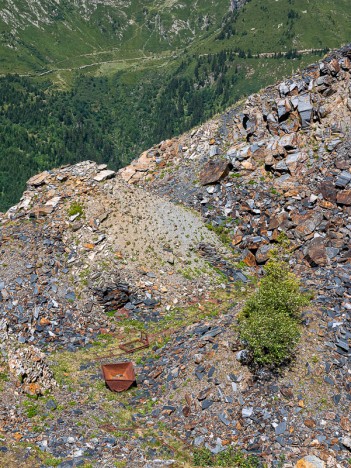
point(307, 223)
point(279, 220)
point(326, 204)
point(342, 164)
point(344, 197)
point(315, 252)
point(345, 423)
point(39, 179)
point(249, 258)
point(334, 67)
point(310, 423)
point(214, 171)
point(328, 191)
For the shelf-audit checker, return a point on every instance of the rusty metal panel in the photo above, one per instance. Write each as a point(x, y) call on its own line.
point(120, 376)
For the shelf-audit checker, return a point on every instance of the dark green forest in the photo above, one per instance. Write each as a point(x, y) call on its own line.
point(112, 119)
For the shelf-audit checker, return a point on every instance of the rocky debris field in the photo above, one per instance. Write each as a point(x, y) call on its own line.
point(171, 246)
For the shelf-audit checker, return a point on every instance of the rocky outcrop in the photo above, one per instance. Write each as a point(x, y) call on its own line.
point(288, 176)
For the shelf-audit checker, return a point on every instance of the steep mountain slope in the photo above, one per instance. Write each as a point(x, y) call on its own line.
point(172, 245)
point(112, 119)
point(36, 34)
point(105, 80)
point(41, 36)
point(277, 26)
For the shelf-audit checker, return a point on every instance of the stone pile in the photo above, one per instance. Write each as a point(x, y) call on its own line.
point(28, 367)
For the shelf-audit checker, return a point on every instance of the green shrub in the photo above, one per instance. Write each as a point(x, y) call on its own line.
point(202, 457)
point(270, 320)
point(228, 458)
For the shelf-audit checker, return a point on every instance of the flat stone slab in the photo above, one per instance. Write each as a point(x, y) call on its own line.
point(38, 179)
point(104, 175)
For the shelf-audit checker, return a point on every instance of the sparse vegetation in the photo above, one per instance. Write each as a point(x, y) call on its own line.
point(270, 320)
point(31, 408)
point(222, 232)
point(228, 458)
point(76, 208)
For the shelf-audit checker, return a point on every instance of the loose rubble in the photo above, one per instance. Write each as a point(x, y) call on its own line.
point(274, 171)
point(30, 371)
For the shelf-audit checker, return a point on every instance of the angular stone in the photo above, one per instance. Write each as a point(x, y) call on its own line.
point(311, 461)
point(288, 141)
point(214, 151)
point(206, 404)
point(103, 175)
point(281, 428)
point(247, 412)
point(346, 441)
point(306, 223)
point(315, 252)
point(328, 191)
point(262, 253)
point(305, 110)
point(248, 258)
point(334, 67)
point(292, 161)
point(284, 108)
point(39, 179)
point(344, 197)
point(343, 179)
point(310, 423)
point(214, 171)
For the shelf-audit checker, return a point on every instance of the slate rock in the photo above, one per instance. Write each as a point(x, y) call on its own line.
point(280, 428)
point(214, 171)
point(315, 252)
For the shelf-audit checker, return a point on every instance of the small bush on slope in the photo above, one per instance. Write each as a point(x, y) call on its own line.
point(269, 321)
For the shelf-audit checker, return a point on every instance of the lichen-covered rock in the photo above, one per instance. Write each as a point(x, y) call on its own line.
point(311, 461)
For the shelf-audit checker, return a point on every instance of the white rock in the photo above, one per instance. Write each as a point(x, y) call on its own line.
point(103, 175)
point(346, 441)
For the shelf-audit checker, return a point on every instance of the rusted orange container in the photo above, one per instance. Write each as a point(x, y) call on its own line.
point(120, 376)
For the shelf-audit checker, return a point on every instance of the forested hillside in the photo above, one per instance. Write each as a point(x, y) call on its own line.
point(106, 80)
point(112, 119)
point(48, 34)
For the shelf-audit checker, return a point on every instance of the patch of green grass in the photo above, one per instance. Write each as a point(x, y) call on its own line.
point(76, 208)
point(31, 409)
point(132, 324)
point(3, 378)
point(222, 232)
point(120, 464)
point(283, 239)
point(49, 460)
point(111, 313)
